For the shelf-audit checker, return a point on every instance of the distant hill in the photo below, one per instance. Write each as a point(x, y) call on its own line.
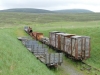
point(27, 10)
point(74, 11)
point(32, 10)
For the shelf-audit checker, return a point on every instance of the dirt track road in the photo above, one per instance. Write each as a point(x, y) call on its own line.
point(70, 69)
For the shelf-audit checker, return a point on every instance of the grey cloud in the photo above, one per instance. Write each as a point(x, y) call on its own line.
point(47, 4)
point(31, 3)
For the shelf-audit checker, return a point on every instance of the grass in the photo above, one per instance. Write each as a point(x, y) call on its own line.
point(16, 60)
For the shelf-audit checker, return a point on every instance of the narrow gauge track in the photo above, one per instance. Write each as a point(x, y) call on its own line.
point(45, 41)
point(88, 67)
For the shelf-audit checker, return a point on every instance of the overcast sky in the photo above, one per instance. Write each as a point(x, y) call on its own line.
point(93, 5)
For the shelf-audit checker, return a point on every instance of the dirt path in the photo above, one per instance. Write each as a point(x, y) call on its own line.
point(70, 69)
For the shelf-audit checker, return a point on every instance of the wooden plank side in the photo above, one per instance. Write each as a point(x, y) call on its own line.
point(51, 58)
point(73, 49)
point(67, 45)
point(87, 47)
point(60, 57)
point(47, 58)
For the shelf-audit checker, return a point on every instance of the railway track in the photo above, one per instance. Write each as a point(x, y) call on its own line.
point(84, 65)
point(88, 67)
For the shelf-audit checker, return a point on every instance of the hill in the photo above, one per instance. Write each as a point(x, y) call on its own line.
point(74, 11)
point(27, 10)
point(32, 10)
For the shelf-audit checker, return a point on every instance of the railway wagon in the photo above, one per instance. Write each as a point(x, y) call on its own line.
point(41, 52)
point(75, 46)
point(26, 28)
point(44, 40)
point(34, 35)
point(53, 59)
point(52, 38)
point(58, 40)
point(66, 42)
point(80, 47)
point(72, 45)
point(37, 35)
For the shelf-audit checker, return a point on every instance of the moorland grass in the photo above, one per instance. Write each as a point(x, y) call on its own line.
point(16, 60)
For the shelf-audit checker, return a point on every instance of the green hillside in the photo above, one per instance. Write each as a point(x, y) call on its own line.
point(33, 10)
point(74, 11)
point(15, 59)
point(27, 10)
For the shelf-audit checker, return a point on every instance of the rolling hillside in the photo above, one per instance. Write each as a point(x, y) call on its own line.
point(74, 11)
point(32, 10)
point(27, 10)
